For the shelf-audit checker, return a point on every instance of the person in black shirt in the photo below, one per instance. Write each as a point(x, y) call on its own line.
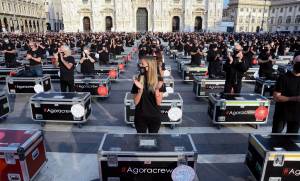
point(214, 59)
point(287, 97)
point(10, 53)
point(67, 66)
point(87, 61)
point(34, 56)
point(196, 54)
point(103, 55)
point(187, 48)
point(266, 61)
point(235, 67)
point(148, 93)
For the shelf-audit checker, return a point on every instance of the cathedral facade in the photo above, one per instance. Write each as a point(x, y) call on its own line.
point(141, 15)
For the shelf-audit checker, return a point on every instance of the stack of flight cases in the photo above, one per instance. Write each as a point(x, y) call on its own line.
point(274, 157)
point(24, 85)
point(4, 105)
point(172, 100)
point(238, 109)
point(189, 71)
point(264, 87)
point(4, 72)
point(249, 75)
point(202, 86)
point(22, 154)
point(57, 106)
point(144, 157)
point(112, 71)
point(92, 84)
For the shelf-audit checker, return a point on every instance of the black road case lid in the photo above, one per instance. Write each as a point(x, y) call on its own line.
point(238, 97)
point(147, 143)
point(60, 96)
point(278, 142)
point(91, 77)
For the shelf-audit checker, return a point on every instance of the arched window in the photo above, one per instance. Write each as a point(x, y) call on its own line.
point(288, 20)
point(108, 23)
point(272, 20)
point(86, 24)
point(175, 24)
point(279, 20)
point(297, 20)
point(198, 24)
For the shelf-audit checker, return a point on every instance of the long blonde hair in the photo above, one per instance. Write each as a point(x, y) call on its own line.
point(152, 75)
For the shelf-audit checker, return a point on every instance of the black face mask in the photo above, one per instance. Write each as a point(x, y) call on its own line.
point(297, 67)
point(142, 70)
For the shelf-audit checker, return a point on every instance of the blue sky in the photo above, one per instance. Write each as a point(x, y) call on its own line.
point(225, 2)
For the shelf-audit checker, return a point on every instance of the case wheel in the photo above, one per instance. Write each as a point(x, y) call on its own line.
point(3, 118)
point(42, 124)
point(219, 126)
point(132, 125)
point(172, 126)
point(80, 125)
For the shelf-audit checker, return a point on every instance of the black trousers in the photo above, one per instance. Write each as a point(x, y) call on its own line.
point(279, 124)
point(144, 123)
point(236, 87)
point(67, 84)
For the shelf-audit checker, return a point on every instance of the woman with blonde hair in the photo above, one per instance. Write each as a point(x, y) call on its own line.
point(148, 93)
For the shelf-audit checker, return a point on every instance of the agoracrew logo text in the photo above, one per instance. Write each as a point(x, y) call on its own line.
point(234, 113)
point(24, 86)
point(136, 171)
point(291, 172)
point(56, 111)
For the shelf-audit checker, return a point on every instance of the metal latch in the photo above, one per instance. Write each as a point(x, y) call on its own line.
point(132, 105)
point(278, 161)
point(9, 158)
point(14, 177)
point(182, 160)
point(112, 160)
point(5, 105)
point(37, 105)
point(203, 84)
point(222, 105)
point(113, 179)
point(275, 179)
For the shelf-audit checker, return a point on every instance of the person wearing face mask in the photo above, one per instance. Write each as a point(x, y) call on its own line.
point(34, 56)
point(103, 55)
point(66, 64)
point(266, 61)
point(87, 61)
point(287, 97)
point(235, 67)
point(196, 54)
point(214, 58)
point(10, 53)
point(147, 91)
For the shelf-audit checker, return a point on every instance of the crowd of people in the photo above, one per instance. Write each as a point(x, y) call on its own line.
point(228, 55)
